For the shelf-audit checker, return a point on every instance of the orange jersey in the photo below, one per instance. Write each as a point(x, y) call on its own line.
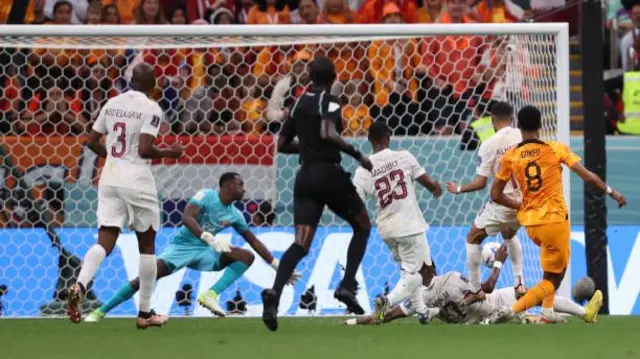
point(536, 166)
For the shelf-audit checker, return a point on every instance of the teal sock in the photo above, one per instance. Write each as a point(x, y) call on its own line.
point(234, 271)
point(122, 295)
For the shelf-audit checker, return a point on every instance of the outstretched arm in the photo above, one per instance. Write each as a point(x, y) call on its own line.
point(498, 196)
point(431, 184)
point(595, 180)
point(490, 284)
point(265, 253)
point(479, 182)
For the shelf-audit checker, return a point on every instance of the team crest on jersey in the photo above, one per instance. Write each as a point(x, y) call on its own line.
point(155, 121)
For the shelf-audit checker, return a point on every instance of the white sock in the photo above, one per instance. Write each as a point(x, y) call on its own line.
point(514, 248)
point(407, 285)
point(565, 305)
point(91, 263)
point(548, 312)
point(474, 261)
point(416, 299)
point(147, 274)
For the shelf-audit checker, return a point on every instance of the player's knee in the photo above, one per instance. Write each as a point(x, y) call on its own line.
point(475, 236)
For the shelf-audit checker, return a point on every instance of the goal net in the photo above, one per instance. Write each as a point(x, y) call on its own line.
point(224, 91)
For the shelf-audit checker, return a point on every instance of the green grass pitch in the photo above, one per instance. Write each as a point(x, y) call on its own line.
point(234, 338)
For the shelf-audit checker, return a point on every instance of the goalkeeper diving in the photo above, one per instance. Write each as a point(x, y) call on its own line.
point(197, 247)
point(443, 295)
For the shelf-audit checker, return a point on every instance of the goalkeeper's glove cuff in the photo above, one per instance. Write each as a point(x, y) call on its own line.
point(207, 237)
point(497, 264)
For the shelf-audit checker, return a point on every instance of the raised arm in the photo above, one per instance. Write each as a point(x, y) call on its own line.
point(486, 161)
point(478, 183)
point(431, 184)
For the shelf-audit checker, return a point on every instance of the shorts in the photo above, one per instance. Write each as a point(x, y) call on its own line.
point(554, 242)
point(410, 251)
point(125, 207)
point(494, 217)
point(320, 184)
point(198, 257)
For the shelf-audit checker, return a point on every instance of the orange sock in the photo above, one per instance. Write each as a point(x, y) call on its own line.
point(547, 302)
point(535, 296)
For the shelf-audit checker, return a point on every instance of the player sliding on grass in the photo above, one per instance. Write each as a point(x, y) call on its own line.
point(398, 215)
point(444, 292)
point(537, 168)
point(196, 247)
point(494, 218)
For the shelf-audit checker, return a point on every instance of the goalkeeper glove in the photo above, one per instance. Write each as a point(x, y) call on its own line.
point(218, 244)
point(295, 276)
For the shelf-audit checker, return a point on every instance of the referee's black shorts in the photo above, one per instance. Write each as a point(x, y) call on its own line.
point(320, 184)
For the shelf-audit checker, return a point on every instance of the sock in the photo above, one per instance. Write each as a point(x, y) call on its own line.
point(122, 295)
point(416, 298)
point(565, 305)
point(514, 248)
point(148, 271)
point(407, 285)
point(91, 263)
point(234, 271)
point(474, 261)
point(356, 250)
point(534, 296)
point(288, 264)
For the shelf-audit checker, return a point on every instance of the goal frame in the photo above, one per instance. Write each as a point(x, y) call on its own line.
point(369, 31)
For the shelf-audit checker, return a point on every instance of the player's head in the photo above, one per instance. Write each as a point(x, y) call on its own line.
point(501, 114)
point(233, 184)
point(529, 119)
point(322, 72)
point(143, 78)
point(379, 134)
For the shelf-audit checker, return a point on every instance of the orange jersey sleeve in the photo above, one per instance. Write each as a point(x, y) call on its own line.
point(536, 166)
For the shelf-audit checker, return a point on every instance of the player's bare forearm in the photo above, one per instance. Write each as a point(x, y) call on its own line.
point(189, 219)
point(498, 196)
point(287, 145)
point(490, 284)
point(148, 151)
point(431, 184)
point(94, 144)
point(588, 176)
point(329, 133)
point(478, 183)
point(258, 246)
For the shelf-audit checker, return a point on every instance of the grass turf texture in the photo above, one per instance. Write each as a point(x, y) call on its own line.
point(615, 338)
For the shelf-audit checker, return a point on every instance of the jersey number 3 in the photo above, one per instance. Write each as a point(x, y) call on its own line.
point(120, 128)
point(386, 192)
point(533, 174)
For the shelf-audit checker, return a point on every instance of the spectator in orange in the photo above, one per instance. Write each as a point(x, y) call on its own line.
point(492, 11)
point(110, 15)
point(126, 8)
point(269, 12)
point(309, 12)
point(178, 16)
point(355, 113)
point(150, 13)
point(336, 12)
point(393, 68)
point(39, 17)
point(452, 62)
point(371, 12)
point(252, 112)
point(94, 14)
point(430, 11)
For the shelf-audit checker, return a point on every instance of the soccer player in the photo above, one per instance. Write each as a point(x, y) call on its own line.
point(537, 168)
point(316, 120)
point(493, 218)
point(196, 247)
point(127, 192)
point(443, 294)
point(398, 215)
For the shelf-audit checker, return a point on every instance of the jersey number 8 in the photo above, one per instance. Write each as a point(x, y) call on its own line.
point(386, 192)
point(533, 174)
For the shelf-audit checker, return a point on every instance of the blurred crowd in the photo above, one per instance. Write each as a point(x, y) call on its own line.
point(419, 86)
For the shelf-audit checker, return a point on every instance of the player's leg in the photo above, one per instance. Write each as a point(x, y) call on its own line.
point(476, 235)
point(514, 248)
point(236, 264)
point(112, 213)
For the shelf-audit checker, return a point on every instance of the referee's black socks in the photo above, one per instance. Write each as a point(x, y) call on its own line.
point(288, 264)
point(355, 253)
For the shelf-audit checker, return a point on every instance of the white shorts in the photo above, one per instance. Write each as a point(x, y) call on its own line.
point(494, 217)
point(410, 251)
point(125, 207)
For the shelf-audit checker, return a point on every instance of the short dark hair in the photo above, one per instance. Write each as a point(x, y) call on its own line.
point(502, 110)
point(529, 118)
point(322, 72)
point(379, 131)
point(226, 177)
point(60, 4)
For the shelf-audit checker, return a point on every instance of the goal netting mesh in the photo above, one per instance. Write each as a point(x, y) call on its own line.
point(224, 96)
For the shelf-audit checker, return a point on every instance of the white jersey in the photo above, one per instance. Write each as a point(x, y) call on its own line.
point(391, 183)
point(123, 118)
point(492, 150)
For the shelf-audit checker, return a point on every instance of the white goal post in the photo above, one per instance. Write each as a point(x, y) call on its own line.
point(48, 175)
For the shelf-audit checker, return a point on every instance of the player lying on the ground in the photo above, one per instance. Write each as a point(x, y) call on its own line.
point(494, 218)
point(398, 215)
point(196, 247)
point(537, 168)
point(443, 295)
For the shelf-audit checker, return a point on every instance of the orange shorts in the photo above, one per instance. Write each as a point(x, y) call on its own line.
point(554, 241)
